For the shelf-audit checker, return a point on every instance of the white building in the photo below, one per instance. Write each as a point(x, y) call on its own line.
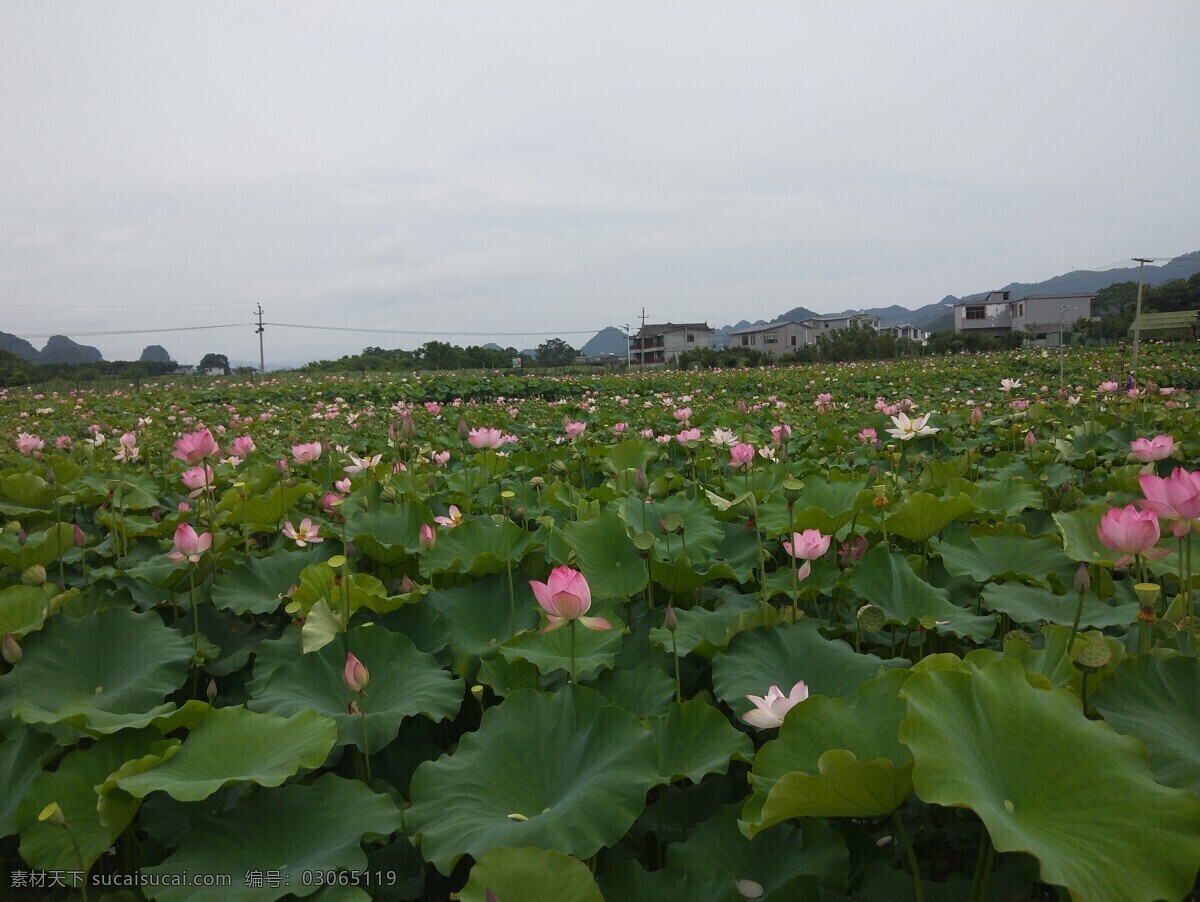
point(775, 339)
point(662, 343)
point(1039, 316)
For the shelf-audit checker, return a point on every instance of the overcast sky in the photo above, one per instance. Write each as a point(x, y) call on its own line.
point(457, 171)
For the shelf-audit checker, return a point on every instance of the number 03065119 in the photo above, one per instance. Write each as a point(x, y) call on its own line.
point(349, 878)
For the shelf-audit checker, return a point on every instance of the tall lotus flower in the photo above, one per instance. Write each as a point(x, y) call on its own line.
point(307, 452)
point(29, 445)
point(188, 545)
point(305, 534)
point(741, 456)
point(454, 519)
point(242, 446)
point(485, 438)
point(566, 596)
point(573, 429)
point(808, 545)
point(769, 710)
point(868, 436)
point(723, 438)
point(683, 414)
point(1107, 387)
point(1009, 384)
point(355, 675)
point(1176, 499)
point(194, 447)
point(441, 458)
point(359, 464)
point(1129, 532)
point(781, 433)
point(1151, 449)
point(909, 429)
point(688, 435)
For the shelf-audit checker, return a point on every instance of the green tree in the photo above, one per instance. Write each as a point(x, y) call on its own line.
point(555, 352)
point(211, 361)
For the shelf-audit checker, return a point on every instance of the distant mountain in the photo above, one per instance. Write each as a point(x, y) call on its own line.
point(18, 346)
point(60, 349)
point(607, 341)
point(155, 354)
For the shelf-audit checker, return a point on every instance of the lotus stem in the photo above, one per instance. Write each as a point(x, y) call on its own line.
point(678, 682)
point(195, 632)
point(913, 864)
point(366, 749)
point(574, 681)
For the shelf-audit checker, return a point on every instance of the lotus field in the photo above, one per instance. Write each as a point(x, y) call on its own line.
point(923, 629)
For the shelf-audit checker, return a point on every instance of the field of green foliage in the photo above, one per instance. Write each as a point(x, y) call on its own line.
point(920, 629)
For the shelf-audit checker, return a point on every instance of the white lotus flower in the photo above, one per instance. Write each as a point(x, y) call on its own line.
point(908, 429)
point(1009, 384)
point(769, 711)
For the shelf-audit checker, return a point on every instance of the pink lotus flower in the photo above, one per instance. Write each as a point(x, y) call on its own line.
point(307, 452)
point(573, 430)
point(306, 534)
point(781, 433)
point(188, 545)
point(330, 500)
point(194, 447)
point(198, 479)
point(63, 443)
point(1175, 500)
point(355, 675)
point(868, 436)
point(441, 458)
point(29, 445)
point(852, 550)
point(683, 414)
point(620, 428)
point(428, 537)
point(741, 456)
point(1151, 449)
point(808, 545)
point(1108, 386)
point(485, 438)
point(770, 710)
point(1129, 532)
point(566, 596)
point(242, 446)
point(455, 518)
point(688, 435)
point(342, 485)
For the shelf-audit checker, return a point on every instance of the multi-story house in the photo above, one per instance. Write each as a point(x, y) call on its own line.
point(662, 343)
point(775, 339)
point(1038, 316)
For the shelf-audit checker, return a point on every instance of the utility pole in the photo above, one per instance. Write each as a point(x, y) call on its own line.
point(628, 345)
point(1137, 317)
point(262, 362)
point(1061, 366)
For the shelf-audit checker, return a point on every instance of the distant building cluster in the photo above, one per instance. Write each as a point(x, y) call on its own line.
point(1040, 317)
point(662, 343)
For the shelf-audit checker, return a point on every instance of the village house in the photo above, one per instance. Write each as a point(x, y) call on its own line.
point(775, 339)
point(662, 343)
point(1038, 316)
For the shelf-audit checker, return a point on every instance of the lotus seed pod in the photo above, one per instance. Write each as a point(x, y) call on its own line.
point(388, 493)
point(52, 814)
point(870, 618)
point(643, 541)
point(792, 487)
point(1147, 594)
point(1018, 636)
point(1095, 657)
point(672, 523)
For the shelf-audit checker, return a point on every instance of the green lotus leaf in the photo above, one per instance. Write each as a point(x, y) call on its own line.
point(922, 516)
point(704, 632)
point(43, 547)
point(1033, 604)
point(479, 546)
point(1078, 530)
point(97, 672)
point(232, 745)
point(22, 609)
point(1008, 497)
point(478, 618)
point(702, 535)
point(824, 504)
point(788, 863)
point(694, 739)
point(563, 770)
point(886, 580)
point(681, 577)
point(548, 652)
point(294, 829)
point(259, 585)
point(22, 752)
point(506, 677)
point(404, 682)
point(783, 656)
point(317, 582)
point(72, 785)
point(27, 490)
point(530, 874)
point(631, 454)
point(834, 757)
point(642, 689)
point(607, 557)
point(1079, 797)
point(267, 512)
point(1154, 700)
point(1051, 660)
point(1012, 557)
point(389, 535)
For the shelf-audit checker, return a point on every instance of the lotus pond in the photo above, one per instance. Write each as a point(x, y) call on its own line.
point(922, 629)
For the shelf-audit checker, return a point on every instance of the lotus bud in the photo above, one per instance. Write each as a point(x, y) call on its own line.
point(50, 477)
point(670, 619)
point(428, 538)
point(354, 674)
point(463, 429)
point(78, 537)
point(976, 416)
point(10, 649)
point(1030, 439)
point(388, 493)
point(407, 585)
point(211, 692)
point(408, 429)
point(352, 708)
point(1083, 579)
point(639, 479)
point(22, 537)
point(34, 575)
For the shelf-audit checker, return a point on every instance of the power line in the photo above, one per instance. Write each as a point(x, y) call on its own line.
point(432, 332)
point(140, 331)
